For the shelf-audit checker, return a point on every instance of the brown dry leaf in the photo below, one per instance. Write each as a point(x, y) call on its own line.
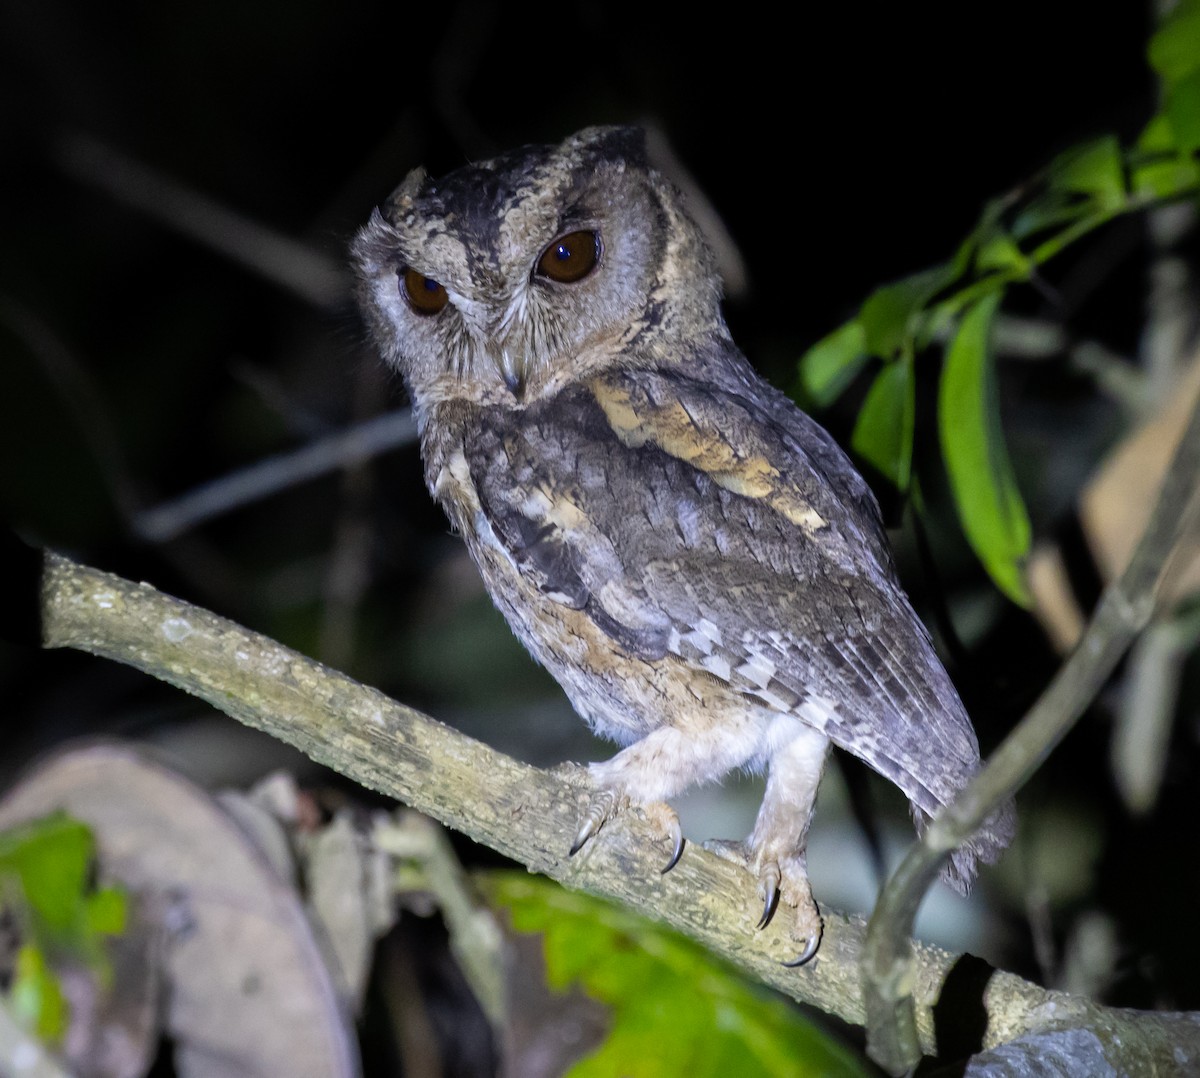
point(1113, 511)
point(246, 989)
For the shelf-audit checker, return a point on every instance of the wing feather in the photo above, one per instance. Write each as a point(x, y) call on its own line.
point(687, 519)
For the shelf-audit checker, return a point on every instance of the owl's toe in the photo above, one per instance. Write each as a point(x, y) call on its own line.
point(768, 887)
point(810, 949)
point(663, 816)
point(604, 804)
point(783, 882)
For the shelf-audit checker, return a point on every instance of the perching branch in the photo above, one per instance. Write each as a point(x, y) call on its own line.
point(894, 1038)
point(530, 815)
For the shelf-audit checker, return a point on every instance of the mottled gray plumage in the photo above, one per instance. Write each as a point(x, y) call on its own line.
point(690, 555)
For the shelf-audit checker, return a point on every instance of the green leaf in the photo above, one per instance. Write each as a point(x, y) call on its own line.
point(1183, 111)
point(1052, 209)
point(107, 912)
point(1158, 171)
point(883, 433)
point(989, 504)
point(1094, 169)
point(675, 1009)
point(50, 859)
point(888, 317)
point(1000, 252)
point(36, 997)
point(831, 364)
point(1174, 50)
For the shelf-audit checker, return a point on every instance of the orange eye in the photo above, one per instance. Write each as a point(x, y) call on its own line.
point(424, 293)
point(570, 258)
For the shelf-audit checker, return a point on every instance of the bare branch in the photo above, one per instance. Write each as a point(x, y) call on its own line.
point(347, 447)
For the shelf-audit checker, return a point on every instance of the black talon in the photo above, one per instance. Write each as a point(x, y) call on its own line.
point(676, 854)
point(586, 830)
point(770, 902)
point(810, 949)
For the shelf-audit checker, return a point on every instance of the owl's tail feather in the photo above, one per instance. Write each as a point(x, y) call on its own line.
point(985, 845)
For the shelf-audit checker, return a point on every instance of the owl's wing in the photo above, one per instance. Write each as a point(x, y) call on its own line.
point(691, 520)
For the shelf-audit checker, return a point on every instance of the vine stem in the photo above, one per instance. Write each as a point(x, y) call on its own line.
point(1124, 610)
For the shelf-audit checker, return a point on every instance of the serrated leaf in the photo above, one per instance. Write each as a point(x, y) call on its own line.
point(675, 1009)
point(1092, 168)
point(989, 503)
point(831, 364)
point(883, 432)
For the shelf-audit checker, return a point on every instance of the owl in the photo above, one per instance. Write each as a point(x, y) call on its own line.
point(692, 557)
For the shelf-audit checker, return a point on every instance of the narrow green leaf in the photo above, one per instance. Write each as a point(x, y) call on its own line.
point(674, 1008)
point(989, 504)
point(831, 364)
point(883, 432)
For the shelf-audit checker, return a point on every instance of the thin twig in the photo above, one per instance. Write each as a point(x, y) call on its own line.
point(220, 496)
point(316, 278)
point(1124, 610)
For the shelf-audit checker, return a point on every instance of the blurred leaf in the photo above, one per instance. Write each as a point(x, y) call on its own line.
point(675, 1009)
point(1000, 252)
point(35, 997)
point(1165, 174)
point(1174, 50)
point(883, 433)
point(1183, 111)
point(985, 491)
point(107, 912)
point(1092, 168)
point(49, 858)
point(831, 364)
point(887, 315)
point(44, 882)
point(1050, 210)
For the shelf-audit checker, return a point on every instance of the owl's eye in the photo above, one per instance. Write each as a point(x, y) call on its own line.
point(570, 258)
point(424, 294)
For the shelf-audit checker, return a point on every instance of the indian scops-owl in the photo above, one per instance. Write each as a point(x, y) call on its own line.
point(691, 556)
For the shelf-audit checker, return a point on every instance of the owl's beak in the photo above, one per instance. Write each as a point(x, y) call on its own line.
point(512, 369)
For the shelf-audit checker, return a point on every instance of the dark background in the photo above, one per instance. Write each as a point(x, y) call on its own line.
point(843, 146)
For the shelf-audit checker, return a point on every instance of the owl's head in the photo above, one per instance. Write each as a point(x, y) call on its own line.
point(505, 280)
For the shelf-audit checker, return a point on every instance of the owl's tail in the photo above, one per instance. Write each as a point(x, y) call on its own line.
point(985, 845)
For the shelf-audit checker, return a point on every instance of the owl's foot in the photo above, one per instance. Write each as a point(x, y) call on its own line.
point(781, 881)
point(606, 803)
point(784, 882)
